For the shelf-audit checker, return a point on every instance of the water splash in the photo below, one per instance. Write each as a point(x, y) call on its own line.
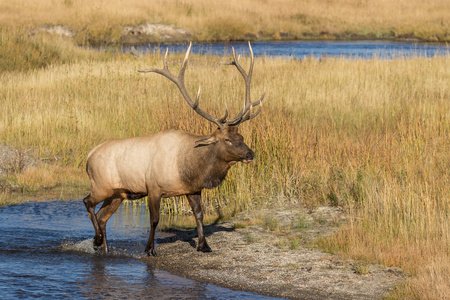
point(85, 246)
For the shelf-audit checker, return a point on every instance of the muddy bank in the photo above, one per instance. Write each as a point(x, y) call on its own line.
point(270, 252)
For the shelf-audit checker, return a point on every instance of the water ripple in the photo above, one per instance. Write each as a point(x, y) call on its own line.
point(46, 251)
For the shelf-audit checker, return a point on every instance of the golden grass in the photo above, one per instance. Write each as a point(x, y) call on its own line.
point(211, 20)
point(432, 281)
point(4, 198)
point(47, 177)
point(20, 52)
point(370, 136)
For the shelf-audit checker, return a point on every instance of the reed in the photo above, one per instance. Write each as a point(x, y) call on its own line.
point(370, 136)
point(212, 20)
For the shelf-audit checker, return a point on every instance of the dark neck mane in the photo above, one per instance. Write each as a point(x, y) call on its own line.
point(202, 168)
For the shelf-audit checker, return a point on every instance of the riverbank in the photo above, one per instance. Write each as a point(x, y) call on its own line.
point(25, 177)
point(159, 33)
point(272, 252)
point(115, 22)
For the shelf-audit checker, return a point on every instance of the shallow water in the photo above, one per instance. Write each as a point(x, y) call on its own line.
point(46, 252)
point(302, 49)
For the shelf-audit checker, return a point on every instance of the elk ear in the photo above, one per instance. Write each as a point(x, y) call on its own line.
point(207, 141)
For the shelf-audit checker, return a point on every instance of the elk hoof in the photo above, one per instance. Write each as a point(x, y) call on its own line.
point(151, 252)
point(204, 248)
point(98, 241)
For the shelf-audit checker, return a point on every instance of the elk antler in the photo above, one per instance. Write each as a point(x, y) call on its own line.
point(245, 114)
point(179, 81)
point(222, 123)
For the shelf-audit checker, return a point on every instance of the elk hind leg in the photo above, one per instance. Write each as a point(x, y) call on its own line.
point(90, 204)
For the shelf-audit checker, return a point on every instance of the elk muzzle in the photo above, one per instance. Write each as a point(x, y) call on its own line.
point(248, 157)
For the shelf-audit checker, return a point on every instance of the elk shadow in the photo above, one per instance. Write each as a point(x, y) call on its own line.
point(188, 235)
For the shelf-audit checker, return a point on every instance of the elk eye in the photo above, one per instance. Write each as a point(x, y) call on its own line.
point(228, 141)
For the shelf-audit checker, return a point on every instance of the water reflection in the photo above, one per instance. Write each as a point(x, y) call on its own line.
point(118, 278)
point(46, 251)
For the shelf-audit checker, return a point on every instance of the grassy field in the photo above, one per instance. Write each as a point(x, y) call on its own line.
point(213, 20)
point(369, 136)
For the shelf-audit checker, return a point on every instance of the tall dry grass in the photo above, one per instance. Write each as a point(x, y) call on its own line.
point(211, 20)
point(21, 52)
point(370, 136)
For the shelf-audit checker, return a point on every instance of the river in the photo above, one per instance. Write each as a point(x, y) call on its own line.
point(304, 49)
point(46, 252)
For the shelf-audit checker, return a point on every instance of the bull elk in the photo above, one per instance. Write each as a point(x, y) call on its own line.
point(169, 163)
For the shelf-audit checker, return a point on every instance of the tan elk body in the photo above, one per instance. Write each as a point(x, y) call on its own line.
point(166, 164)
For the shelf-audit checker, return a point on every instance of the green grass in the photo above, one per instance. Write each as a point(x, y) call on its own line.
point(361, 268)
point(303, 222)
point(270, 224)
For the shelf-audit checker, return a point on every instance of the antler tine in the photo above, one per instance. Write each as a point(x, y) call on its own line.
point(184, 65)
point(197, 98)
point(179, 82)
point(247, 76)
point(252, 62)
point(248, 115)
point(166, 66)
point(224, 118)
point(236, 63)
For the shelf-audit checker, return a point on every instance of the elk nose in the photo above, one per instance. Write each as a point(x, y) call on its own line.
point(249, 157)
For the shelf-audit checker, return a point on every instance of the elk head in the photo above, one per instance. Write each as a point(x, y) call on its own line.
point(231, 146)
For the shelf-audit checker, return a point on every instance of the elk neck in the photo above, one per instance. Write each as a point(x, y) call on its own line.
point(202, 167)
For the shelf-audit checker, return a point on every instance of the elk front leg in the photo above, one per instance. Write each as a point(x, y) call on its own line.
point(153, 206)
point(195, 201)
point(108, 208)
